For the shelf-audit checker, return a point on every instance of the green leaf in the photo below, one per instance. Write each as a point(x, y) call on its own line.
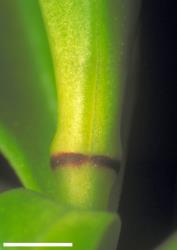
point(31, 217)
point(170, 244)
point(27, 93)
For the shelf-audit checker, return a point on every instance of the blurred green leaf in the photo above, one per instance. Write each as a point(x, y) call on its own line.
point(27, 93)
point(170, 244)
point(31, 217)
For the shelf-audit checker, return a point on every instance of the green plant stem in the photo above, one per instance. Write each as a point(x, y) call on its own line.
point(89, 96)
point(88, 90)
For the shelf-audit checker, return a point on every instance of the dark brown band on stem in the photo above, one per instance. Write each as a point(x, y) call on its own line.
point(78, 159)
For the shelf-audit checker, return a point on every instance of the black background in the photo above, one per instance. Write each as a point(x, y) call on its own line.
point(149, 200)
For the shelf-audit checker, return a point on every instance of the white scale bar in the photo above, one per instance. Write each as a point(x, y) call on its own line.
point(42, 244)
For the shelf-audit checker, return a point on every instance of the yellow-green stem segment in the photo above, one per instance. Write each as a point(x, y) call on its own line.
point(89, 95)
